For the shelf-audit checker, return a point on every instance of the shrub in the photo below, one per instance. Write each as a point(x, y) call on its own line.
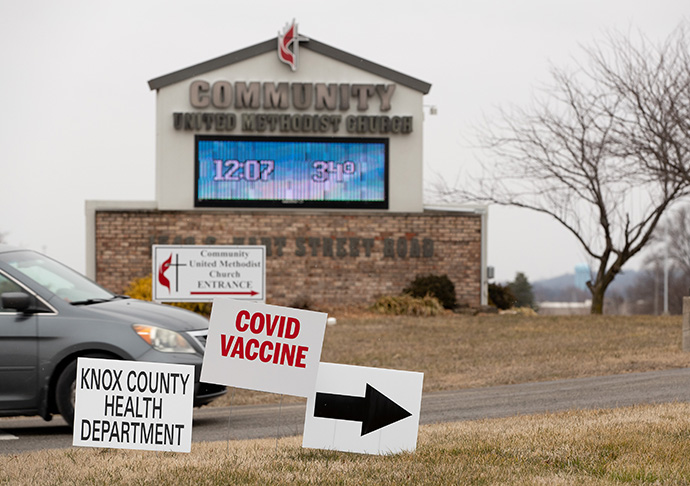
point(439, 286)
point(140, 288)
point(522, 290)
point(501, 296)
point(407, 305)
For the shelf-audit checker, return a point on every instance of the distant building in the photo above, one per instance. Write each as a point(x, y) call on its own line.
point(565, 308)
point(582, 276)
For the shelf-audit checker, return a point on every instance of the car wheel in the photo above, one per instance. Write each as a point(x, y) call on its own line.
point(65, 389)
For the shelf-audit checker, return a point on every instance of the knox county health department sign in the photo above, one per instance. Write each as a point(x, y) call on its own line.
point(194, 273)
point(133, 405)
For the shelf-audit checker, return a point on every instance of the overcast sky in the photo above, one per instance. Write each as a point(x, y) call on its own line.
point(77, 116)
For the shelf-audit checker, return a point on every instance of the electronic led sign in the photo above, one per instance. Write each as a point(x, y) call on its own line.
point(289, 171)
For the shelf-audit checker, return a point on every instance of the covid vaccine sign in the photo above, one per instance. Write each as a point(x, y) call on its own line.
point(133, 405)
point(263, 347)
point(195, 273)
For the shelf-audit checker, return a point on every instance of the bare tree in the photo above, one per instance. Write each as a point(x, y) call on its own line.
point(672, 241)
point(666, 267)
point(654, 81)
point(604, 150)
point(648, 292)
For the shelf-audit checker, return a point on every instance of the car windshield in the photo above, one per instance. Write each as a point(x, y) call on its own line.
point(59, 279)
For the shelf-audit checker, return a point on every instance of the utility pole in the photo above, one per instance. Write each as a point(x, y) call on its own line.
point(666, 273)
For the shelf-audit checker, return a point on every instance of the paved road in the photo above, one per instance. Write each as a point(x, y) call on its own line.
point(246, 422)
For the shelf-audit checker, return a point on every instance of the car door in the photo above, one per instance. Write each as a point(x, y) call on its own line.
point(18, 355)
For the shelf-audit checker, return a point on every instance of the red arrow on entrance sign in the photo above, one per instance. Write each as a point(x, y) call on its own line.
point(251, 292)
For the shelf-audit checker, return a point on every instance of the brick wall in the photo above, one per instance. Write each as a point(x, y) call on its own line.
point(332, 259)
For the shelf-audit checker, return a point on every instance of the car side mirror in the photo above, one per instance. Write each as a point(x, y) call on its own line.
point(18, 301)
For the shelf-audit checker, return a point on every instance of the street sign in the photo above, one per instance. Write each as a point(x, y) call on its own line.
point(195, 273)
point(263, 347)
point(133, 405)
point(365, 410)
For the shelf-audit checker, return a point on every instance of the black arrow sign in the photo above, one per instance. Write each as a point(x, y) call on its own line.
point(375, 410)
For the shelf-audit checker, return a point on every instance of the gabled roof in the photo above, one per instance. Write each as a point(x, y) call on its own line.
point(271, 45)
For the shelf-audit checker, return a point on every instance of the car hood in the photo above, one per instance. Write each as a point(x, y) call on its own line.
point(141, 312)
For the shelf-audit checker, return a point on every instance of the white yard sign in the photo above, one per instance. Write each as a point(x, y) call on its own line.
point(194, 273)
point(364, 410)
point(263, 347)
point(133, 405)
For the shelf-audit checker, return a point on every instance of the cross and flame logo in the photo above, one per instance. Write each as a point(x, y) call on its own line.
point(162, 279)
point(288, 45)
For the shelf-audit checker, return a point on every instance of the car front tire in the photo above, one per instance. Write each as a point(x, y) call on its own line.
point(65, 392)
point(65, 388)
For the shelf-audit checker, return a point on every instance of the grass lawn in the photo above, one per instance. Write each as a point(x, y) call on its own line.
point(459, 351)
point(636, 445)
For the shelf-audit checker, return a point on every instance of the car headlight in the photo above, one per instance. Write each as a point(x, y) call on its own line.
point(163, 340)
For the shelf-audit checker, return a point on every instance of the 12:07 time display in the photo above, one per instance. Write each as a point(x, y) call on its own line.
point(250, 170)
point(284, 171)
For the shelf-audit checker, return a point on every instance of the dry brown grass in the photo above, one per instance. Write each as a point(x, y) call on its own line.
point(637, 445)
point(458, 351)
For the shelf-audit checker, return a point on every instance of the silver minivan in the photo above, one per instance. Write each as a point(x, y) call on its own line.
point(50, 315)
